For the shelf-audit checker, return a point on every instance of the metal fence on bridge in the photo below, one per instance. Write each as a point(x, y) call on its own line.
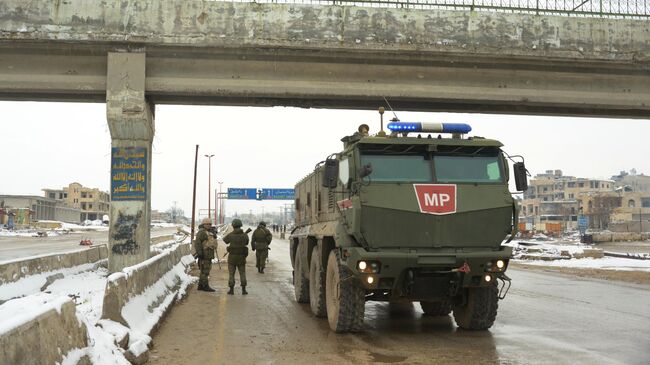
point(639, 9)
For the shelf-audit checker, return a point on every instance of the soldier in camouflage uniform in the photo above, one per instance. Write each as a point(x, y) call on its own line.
point(205, 246)
point(237, 242)
point(260, 242)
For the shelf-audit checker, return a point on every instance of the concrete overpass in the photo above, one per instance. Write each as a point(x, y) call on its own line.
point(224, 53)
point(135, 54)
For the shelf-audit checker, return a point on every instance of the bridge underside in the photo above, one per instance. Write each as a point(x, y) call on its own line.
point(220, 53)
point(332, 79)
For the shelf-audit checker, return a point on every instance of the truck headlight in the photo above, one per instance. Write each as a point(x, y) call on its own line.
point(496, 266)
point(369, 267)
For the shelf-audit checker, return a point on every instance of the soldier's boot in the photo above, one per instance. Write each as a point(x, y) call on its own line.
point(243, 290)
point(208, 288)
point(232, 290)
point(262, 270)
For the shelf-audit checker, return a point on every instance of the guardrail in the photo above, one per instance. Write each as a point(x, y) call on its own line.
point(575, 8)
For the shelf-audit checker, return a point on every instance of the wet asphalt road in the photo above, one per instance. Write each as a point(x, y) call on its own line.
point(12, 248)
point(545, 319)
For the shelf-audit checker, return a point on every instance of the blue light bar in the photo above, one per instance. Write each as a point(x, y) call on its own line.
point(406, 127)
point(461, 128)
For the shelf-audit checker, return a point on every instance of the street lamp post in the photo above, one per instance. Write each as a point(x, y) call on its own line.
point(220, 204)
point(209, 178)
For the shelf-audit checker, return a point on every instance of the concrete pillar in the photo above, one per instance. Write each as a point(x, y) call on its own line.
point(131, 122)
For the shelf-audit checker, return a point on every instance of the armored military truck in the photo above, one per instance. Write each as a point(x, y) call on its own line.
point(419, 214)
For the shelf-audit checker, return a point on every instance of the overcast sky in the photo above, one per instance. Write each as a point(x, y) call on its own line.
point(49, 145)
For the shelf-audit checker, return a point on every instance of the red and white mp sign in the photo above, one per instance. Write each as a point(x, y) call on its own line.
point(436, 198)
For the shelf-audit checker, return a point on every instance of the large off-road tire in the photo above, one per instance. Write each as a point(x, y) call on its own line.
point(345, 300)
point(300, 282)
point(480, 311)
point(317, 284)
point(439, 308)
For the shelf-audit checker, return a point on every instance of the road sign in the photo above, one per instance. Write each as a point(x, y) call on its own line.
point(242, 193)
point(261, 194)
point(278, 194)
point(583, 224)
point(583, 221)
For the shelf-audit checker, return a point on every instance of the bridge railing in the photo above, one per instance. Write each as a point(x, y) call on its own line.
point(575, 8)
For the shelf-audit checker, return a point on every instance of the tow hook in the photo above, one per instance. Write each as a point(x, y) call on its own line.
point(504, 285)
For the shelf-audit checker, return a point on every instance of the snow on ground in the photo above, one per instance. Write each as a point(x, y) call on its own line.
point(606, 263)
point(558, 253)
point(85, 284)
point(32, 284)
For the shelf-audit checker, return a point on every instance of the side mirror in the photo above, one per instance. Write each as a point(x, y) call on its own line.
point(521, 179)
point(331, 174)
point(365, 170)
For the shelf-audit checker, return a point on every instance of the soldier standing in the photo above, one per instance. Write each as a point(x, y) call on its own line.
point(237, 242)
point(260, 242)
point(204, 247)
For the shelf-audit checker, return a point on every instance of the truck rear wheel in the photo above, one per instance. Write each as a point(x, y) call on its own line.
point(480, 311)
point(440, 308)
point(300, 282)
point(317, 284)
point(345, 300)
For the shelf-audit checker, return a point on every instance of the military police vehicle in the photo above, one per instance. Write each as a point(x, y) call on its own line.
point(419, 214)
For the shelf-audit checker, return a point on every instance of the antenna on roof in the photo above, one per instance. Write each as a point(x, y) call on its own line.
point(395, 119)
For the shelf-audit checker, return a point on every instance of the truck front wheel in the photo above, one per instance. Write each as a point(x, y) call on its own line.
point(480, 311)
point(300, 282)
point(345, 300)
point(317, 284)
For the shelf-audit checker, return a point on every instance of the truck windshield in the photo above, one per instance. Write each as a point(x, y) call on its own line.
point(407, 168)
point(472, 169)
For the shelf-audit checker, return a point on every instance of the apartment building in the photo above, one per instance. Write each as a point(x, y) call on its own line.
point(92, 202)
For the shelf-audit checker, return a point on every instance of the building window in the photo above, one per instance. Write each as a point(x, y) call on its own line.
point(570, 196)
point(90, 196)
point(65, 195)
point(83, 206)
point(90, 206)
point(52, 195)
point(631, 203)
point(581, 185)
point(645, 202)
point(83, 195)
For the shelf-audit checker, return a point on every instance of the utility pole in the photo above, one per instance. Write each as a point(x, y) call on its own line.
point(209, 178)
point(216, 200)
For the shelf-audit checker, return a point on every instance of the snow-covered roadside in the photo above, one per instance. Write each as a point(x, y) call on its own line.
point(34, 283)
point(86, 284)
point(605, 263)
point(566, 254)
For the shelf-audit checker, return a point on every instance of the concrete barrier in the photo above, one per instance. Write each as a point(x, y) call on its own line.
point(11, 271)
point(139, 296)
point(619, 236)
point(158, 239)
point(45, 338)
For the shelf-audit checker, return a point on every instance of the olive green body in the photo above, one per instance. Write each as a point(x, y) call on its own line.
point(421, 256)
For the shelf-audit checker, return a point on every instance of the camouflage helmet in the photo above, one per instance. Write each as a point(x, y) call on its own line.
point(206, 221)
point(236, 223)
point(262, 223)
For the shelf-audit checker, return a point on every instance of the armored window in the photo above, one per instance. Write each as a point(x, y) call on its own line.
point(468, 169)
point(309, 199)
point(408, 168)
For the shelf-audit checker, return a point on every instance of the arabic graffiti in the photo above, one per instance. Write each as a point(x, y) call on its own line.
point(124, 232)
point(129, 173)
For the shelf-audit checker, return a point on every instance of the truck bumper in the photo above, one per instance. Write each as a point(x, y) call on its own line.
point(425, 275)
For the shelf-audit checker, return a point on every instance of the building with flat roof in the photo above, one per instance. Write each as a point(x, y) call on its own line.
point(29, 208)
point(92, 202)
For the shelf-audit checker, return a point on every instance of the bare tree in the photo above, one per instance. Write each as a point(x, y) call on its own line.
point(602, 208)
